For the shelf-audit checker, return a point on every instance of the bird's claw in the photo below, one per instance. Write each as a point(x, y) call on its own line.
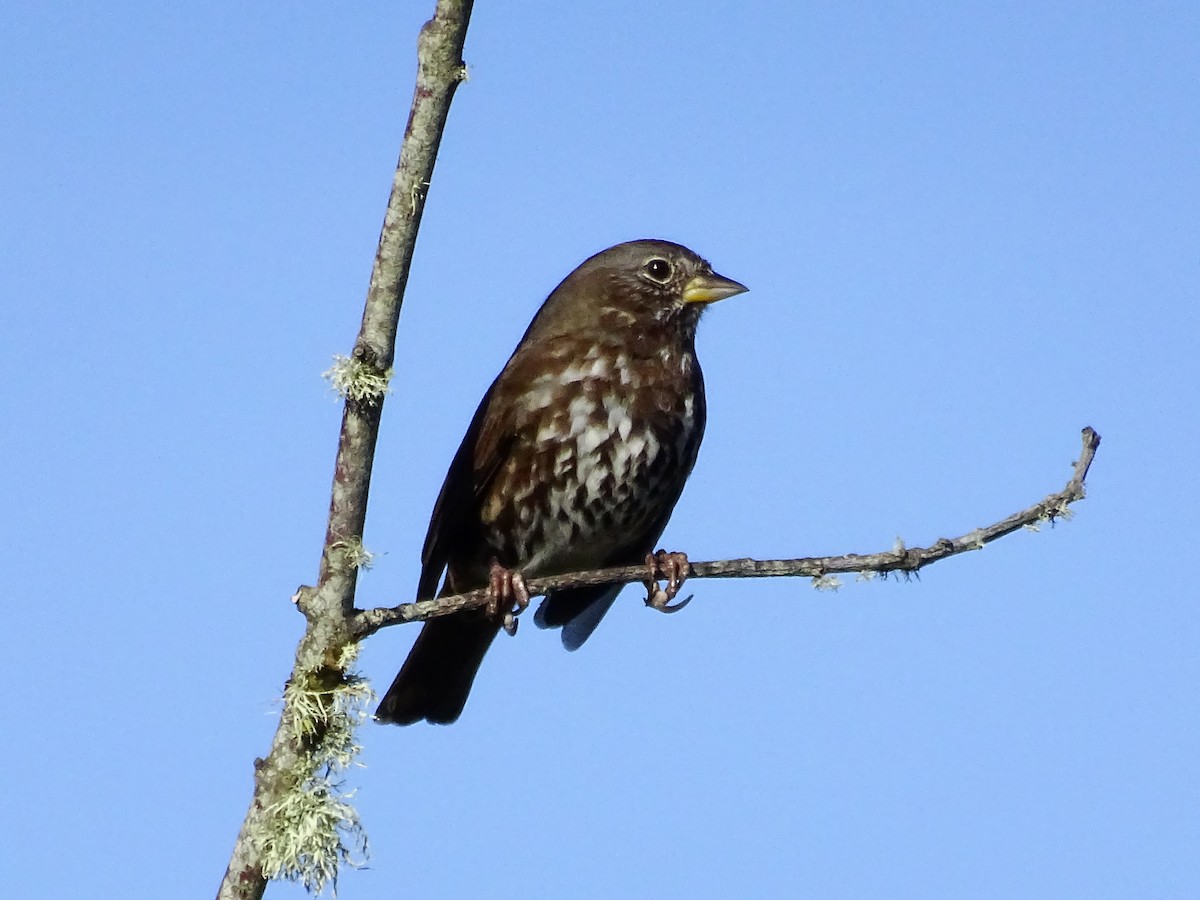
point(658, 600)
point(507, 596)
point(674, 568)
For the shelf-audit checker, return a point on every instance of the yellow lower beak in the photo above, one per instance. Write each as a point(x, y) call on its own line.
point(710, 287)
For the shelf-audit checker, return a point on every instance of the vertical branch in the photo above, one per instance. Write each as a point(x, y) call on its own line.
point(294, 825)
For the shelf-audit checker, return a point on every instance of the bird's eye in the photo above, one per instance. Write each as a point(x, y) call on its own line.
point(658, 269)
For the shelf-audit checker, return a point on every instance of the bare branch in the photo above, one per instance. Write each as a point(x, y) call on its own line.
point(298, 826)
point(898, 559)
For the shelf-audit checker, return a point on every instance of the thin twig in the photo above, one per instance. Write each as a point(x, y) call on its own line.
point(898, 559)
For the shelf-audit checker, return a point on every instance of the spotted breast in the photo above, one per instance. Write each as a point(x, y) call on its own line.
point(598, 444)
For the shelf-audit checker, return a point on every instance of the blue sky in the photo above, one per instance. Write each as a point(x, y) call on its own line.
point(969, 230)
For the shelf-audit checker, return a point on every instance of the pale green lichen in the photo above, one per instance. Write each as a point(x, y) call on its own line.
point(308, 834)
point(867, 575)
point(357, 555)
point(1060, 511)
point(974, 540)
point(826, 582)
point(1052, 514)
point(355, 380)
point(416, 194)
point(352, 554)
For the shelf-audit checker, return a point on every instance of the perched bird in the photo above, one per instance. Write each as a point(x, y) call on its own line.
point(574, 460)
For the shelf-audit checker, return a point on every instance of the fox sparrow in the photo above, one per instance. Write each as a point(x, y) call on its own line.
point(574, 460)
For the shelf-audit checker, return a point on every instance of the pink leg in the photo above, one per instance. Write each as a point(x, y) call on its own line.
point(508, 596)
point(673, 567)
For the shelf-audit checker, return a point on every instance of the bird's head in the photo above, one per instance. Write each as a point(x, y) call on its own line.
point(634, 285)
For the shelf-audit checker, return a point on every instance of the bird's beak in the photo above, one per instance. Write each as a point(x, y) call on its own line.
point(710, 287)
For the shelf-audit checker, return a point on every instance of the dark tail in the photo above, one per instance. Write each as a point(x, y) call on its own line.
point(435, 680)
point(577, 611)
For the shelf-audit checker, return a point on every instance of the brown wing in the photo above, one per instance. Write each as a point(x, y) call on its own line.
point(455, 519)
point(455, 528)
point(436, 677)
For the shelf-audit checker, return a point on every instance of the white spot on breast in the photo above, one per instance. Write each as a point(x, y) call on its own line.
point(590, 367)
point(593, 436)
point(624, 371)
point(651, 444)
point(619, 421)
point(595, 478)
point(580, 411)
point(562, 460)
point(626, 454)
point(539, 397)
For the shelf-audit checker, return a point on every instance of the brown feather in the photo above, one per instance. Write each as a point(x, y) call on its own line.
point(574, 459)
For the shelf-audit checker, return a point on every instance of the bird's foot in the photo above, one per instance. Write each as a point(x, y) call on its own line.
point(674, 568)
point(507, 596)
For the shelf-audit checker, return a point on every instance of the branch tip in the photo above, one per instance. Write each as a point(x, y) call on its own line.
point(821, 569)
